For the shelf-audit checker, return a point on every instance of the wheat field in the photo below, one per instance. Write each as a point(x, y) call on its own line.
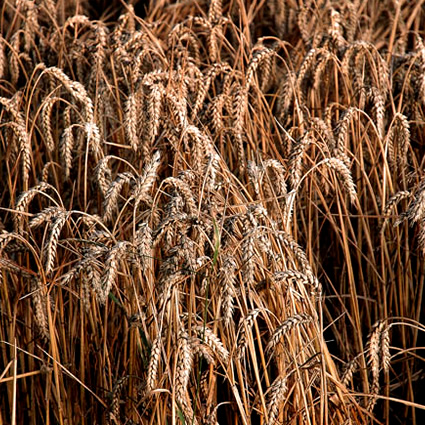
point(212, 212)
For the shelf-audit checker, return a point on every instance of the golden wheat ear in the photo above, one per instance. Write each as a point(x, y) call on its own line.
point(195, 199)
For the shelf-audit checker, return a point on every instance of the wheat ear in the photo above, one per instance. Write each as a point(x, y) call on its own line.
point(52, 242)
point(184, 367)
point(111, 268)
point(275, 396)
point(22, 203)
point(338, 165)
point(416, 211)
point(2, 58)
point(399, 132)
point(378, 352)
point(113, 192)
point(245, 326)
point(208, 337)
point(145, 182)
point(46, 113)
point(132, 113)
point(153, 364)
point(38, 299)
point(288, 324)
point(114, 408)
point(228, 279)
point(103, 174)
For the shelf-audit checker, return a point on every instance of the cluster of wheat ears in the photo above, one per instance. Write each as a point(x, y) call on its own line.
point(212, 214)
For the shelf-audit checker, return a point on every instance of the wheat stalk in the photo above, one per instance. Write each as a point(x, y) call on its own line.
point(91, 280)
point(66, 146)
point(349, 370)
point(45, 216)
point(393, 201)
point(6, 237)
point(420, 47)
point(18, 126)
point(320, 77)
point(143, 243)
point(336, 30)
point(203, 350)
point(288, 277)
point(248, 252)
point(303, 25)
point(378, 100)
point(239, 110)
point(14, 54)
point(205, 84)
point(288, 241)
point(296, 157)
point(155, 100)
